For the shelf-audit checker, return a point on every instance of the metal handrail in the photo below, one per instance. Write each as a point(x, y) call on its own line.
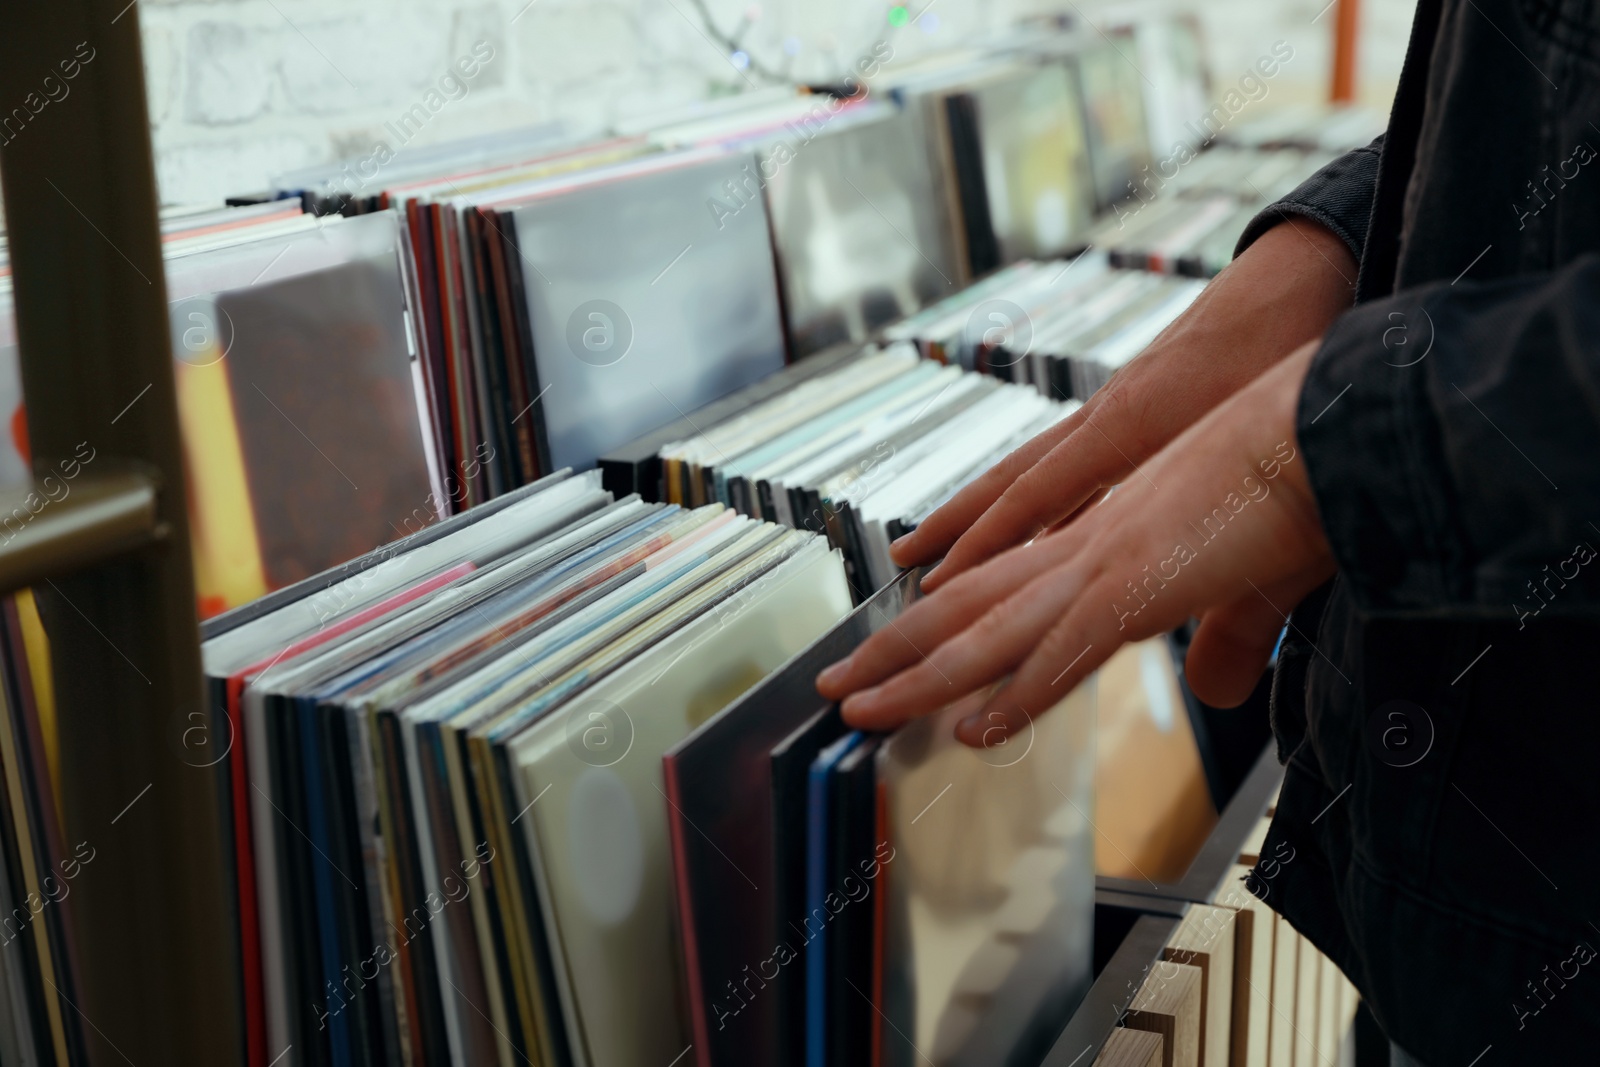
point(94, 519)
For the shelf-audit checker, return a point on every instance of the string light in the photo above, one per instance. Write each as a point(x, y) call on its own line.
point(899, 16)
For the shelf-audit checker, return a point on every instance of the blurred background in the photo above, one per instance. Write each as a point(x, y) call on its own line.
point(241, 91)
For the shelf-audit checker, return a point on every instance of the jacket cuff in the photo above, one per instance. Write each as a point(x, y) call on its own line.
point(1339, 196)
point(1373, 456)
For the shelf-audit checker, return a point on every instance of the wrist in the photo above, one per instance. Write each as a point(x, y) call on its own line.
point(1284, 290)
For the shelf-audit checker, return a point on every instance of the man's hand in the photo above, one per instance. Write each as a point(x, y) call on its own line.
point(1282, 292)
point(1221, 524)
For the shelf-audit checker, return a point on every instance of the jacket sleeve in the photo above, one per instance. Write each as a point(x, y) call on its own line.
point(1452, 439)
point(1339, 196)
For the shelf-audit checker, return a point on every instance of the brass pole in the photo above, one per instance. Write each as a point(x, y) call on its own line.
point(1346, 37)
point(155, 975)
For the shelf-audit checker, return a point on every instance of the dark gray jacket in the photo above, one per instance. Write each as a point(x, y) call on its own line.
point(1438, 705)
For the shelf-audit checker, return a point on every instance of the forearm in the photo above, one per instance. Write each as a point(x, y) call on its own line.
point(1282, 292)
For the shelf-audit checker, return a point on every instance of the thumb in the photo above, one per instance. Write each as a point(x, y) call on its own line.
point(1230, 650)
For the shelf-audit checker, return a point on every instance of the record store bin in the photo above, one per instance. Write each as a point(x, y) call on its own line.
point(964, 897)
point(758, 884)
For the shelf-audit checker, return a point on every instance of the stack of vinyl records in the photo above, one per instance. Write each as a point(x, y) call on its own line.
point(457, 843)
point(576, 300)
point(303, 416)
point(450, 836)
point(861, 450)
point(1258, 175)
point(570, 295)
point(1063, 327)
point(1014, 135)
point(1190, 222)
point(467, 275)
point(355, 189)
point(861, 225)
point(1185, 215)
point(573, 299)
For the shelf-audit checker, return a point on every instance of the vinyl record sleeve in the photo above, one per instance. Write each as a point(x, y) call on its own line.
point(964, 142)
point(414, 942)
point(1035, 161)
point(287, 347)
point(15, 467)
point(32, 1031)
point(858, 224)
point(791, 765)
point(645, 302)
point(853, 806)
point(423, 281)
point(303, 945)
point(992, 864)
point(34, 718)
point(489, 364)
point(822, 873)
point(351, 407)
point(1172, 54)
point(1113, 101)
point(342, 1008)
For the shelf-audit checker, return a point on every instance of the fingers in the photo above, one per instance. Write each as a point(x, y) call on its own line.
point(928, 623)
point(1094, 498)
point(983, 653)
point(1073, 647)
point(1039, 498)
point(1231, 649)
point(939, 531)
point(1210, 520)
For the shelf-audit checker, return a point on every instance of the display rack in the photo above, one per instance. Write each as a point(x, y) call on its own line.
point(153, 941)
point(153, 947)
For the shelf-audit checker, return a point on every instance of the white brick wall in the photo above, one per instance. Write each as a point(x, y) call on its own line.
point(242, 90)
